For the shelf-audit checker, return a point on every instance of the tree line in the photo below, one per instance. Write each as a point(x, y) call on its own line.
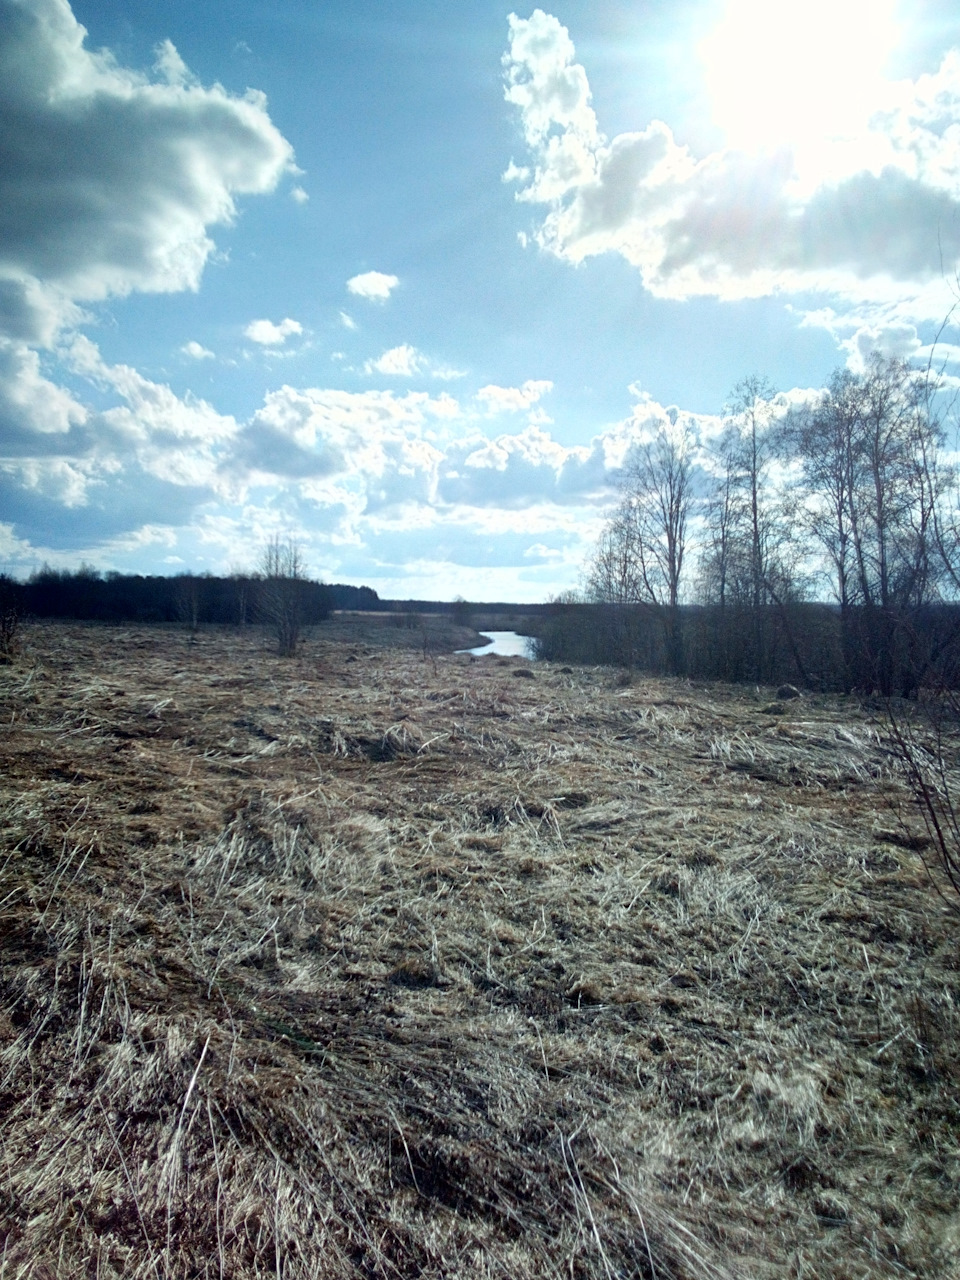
point(817, 542)
point(189, 599)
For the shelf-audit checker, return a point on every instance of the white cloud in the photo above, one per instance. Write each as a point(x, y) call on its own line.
point(406, 361)
point(871, 227)
point(402, 362)
point(900, 340)
point(299, 195)
point(513, 399)
point(268, 334)
point(170, 67)
point(373, 285)
point(195, 351)
point(404, 481)
point(78, 477)
point(515, 173)
point(347, 321)
point(374, 451)
point(887, 329)
point(57, 480)
point(319, 432)
point(172, 439)
point(110, 180)
point(36, 416)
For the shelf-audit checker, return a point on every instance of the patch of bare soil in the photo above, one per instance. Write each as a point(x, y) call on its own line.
point(372, 964)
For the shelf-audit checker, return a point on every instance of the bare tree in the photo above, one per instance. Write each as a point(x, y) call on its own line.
point(641, 555)
point(281, 602)
point(875, 488)
point(749, 555)
point(721, 520)
point(750, 445)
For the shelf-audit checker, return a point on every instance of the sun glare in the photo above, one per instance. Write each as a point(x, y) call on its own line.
point(806, 75)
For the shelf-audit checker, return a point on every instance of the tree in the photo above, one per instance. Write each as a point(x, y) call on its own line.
point(869, 450)
point(749, 555)
point(641, 555)
point(282, 589)
point(721, 518)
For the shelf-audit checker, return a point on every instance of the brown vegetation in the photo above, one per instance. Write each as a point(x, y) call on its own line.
point(357, 965)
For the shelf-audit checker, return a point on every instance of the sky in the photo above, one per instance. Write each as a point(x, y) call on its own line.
point(406, 283)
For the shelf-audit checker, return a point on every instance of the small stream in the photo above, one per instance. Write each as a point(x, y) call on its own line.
point(508, 644)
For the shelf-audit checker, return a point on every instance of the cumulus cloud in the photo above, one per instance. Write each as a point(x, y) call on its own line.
point(268, 334)
point(59, 505)
point(37, 417)
point(406, 361)
point(900, 340)
point(196, 351)
point(152, 418)
point(110, 178)
point(862, 330)
point(402, 362)
point(72, 475)
point(376, 451)
point(373, 285)
point(317, 432)
point(734, 224)
point(513, 399)
point(387, 477)
point(111, 181)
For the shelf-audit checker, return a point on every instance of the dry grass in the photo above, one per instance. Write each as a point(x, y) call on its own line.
point(365, 965)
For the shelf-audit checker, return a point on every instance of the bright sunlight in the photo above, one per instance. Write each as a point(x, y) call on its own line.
point(805, 75)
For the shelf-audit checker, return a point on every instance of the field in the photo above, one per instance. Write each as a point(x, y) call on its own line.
point(376, 962)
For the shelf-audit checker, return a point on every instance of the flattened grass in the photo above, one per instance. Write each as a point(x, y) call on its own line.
point(364, 965)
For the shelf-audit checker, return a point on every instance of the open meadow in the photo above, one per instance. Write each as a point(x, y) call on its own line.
point(375, 962)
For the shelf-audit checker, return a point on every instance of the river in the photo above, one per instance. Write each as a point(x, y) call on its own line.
point(508, 644)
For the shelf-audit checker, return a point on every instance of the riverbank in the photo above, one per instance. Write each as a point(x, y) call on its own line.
point(378, 962)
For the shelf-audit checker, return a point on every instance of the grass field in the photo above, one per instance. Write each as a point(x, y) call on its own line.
point(379, 963)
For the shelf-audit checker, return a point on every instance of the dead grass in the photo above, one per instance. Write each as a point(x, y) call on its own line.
point(365, 965)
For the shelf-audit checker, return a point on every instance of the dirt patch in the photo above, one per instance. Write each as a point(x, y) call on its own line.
point(376, 962)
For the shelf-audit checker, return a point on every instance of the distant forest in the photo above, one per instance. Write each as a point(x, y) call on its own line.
point(191, 600)
point(194, 600)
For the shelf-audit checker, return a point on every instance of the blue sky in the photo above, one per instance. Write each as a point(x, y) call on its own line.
point(407, 282)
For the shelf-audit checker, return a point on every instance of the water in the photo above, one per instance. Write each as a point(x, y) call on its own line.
point(508, 644)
